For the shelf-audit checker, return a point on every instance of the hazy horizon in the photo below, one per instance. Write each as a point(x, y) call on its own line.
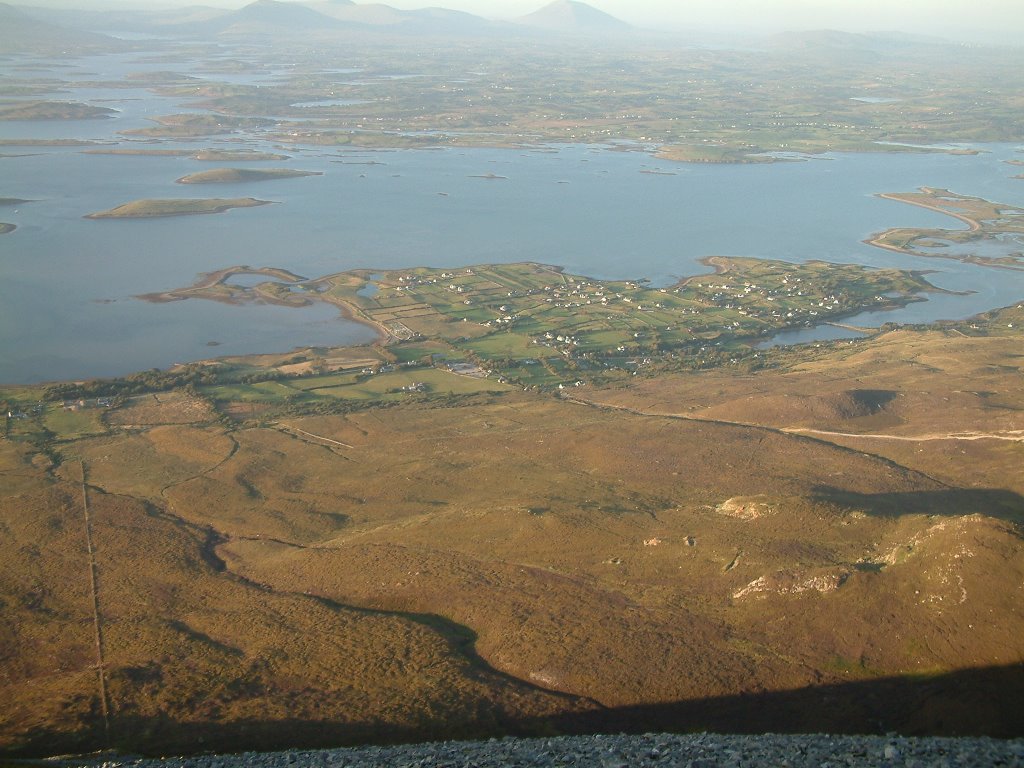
point(999, 20)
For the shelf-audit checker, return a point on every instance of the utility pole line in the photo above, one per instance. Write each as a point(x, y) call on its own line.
point(101, 670)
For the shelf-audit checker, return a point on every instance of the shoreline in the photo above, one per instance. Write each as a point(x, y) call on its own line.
point(972, 224)
point(350, 311)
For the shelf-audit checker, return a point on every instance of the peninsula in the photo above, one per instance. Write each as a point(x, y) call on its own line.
point(278, 288)
point(536, 326)
point(994, 234)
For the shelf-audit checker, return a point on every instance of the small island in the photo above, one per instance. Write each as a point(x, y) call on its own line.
point(28, 142)
point(152, 208)
point(712, 153)
point(5, 228)
point(53, 110)
point(237, 156)
point(234, 175)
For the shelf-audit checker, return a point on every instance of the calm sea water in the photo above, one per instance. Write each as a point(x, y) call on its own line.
point(67, 284)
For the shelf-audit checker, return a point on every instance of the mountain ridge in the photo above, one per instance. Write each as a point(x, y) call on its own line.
point(21, 32)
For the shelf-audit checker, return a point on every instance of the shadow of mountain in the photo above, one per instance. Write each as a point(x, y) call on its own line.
point(971, 702)
point(992, 502)
point(982, 701)
point(873, 399)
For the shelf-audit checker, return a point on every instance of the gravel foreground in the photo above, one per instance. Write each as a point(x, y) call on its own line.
point(689, 751)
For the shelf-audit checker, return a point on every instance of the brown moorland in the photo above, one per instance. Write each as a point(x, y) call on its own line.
point(515, 562)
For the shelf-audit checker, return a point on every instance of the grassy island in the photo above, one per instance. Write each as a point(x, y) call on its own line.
point(49, 143)
point(139, 209)
point(235, 175)
point(53, 110)
point(705, 153)
point(236, 156)
point(5, 228)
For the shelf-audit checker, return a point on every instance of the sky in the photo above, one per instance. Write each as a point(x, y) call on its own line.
point(955, 18)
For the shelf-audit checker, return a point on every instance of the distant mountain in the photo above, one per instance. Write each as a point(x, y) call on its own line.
point(573, 16)
point(319, 18)
point(262, 17)
point(23, 33)
point(275, 16)
point(372, 14)
point(123, 20)
point(439, 21)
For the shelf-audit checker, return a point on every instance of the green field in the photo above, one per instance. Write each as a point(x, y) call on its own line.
point(67, 424)
point(498, 315)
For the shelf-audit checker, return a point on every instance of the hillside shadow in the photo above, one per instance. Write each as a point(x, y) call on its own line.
point(953, 502)
point(971, 702)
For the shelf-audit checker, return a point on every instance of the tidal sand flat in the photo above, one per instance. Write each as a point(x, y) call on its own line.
point(142, 209)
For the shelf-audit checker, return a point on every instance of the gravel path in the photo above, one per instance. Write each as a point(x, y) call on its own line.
point(691, 751)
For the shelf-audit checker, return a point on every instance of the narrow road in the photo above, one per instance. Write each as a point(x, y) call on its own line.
point(1012, 435)
point(294, 430)
point(1015, 435)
